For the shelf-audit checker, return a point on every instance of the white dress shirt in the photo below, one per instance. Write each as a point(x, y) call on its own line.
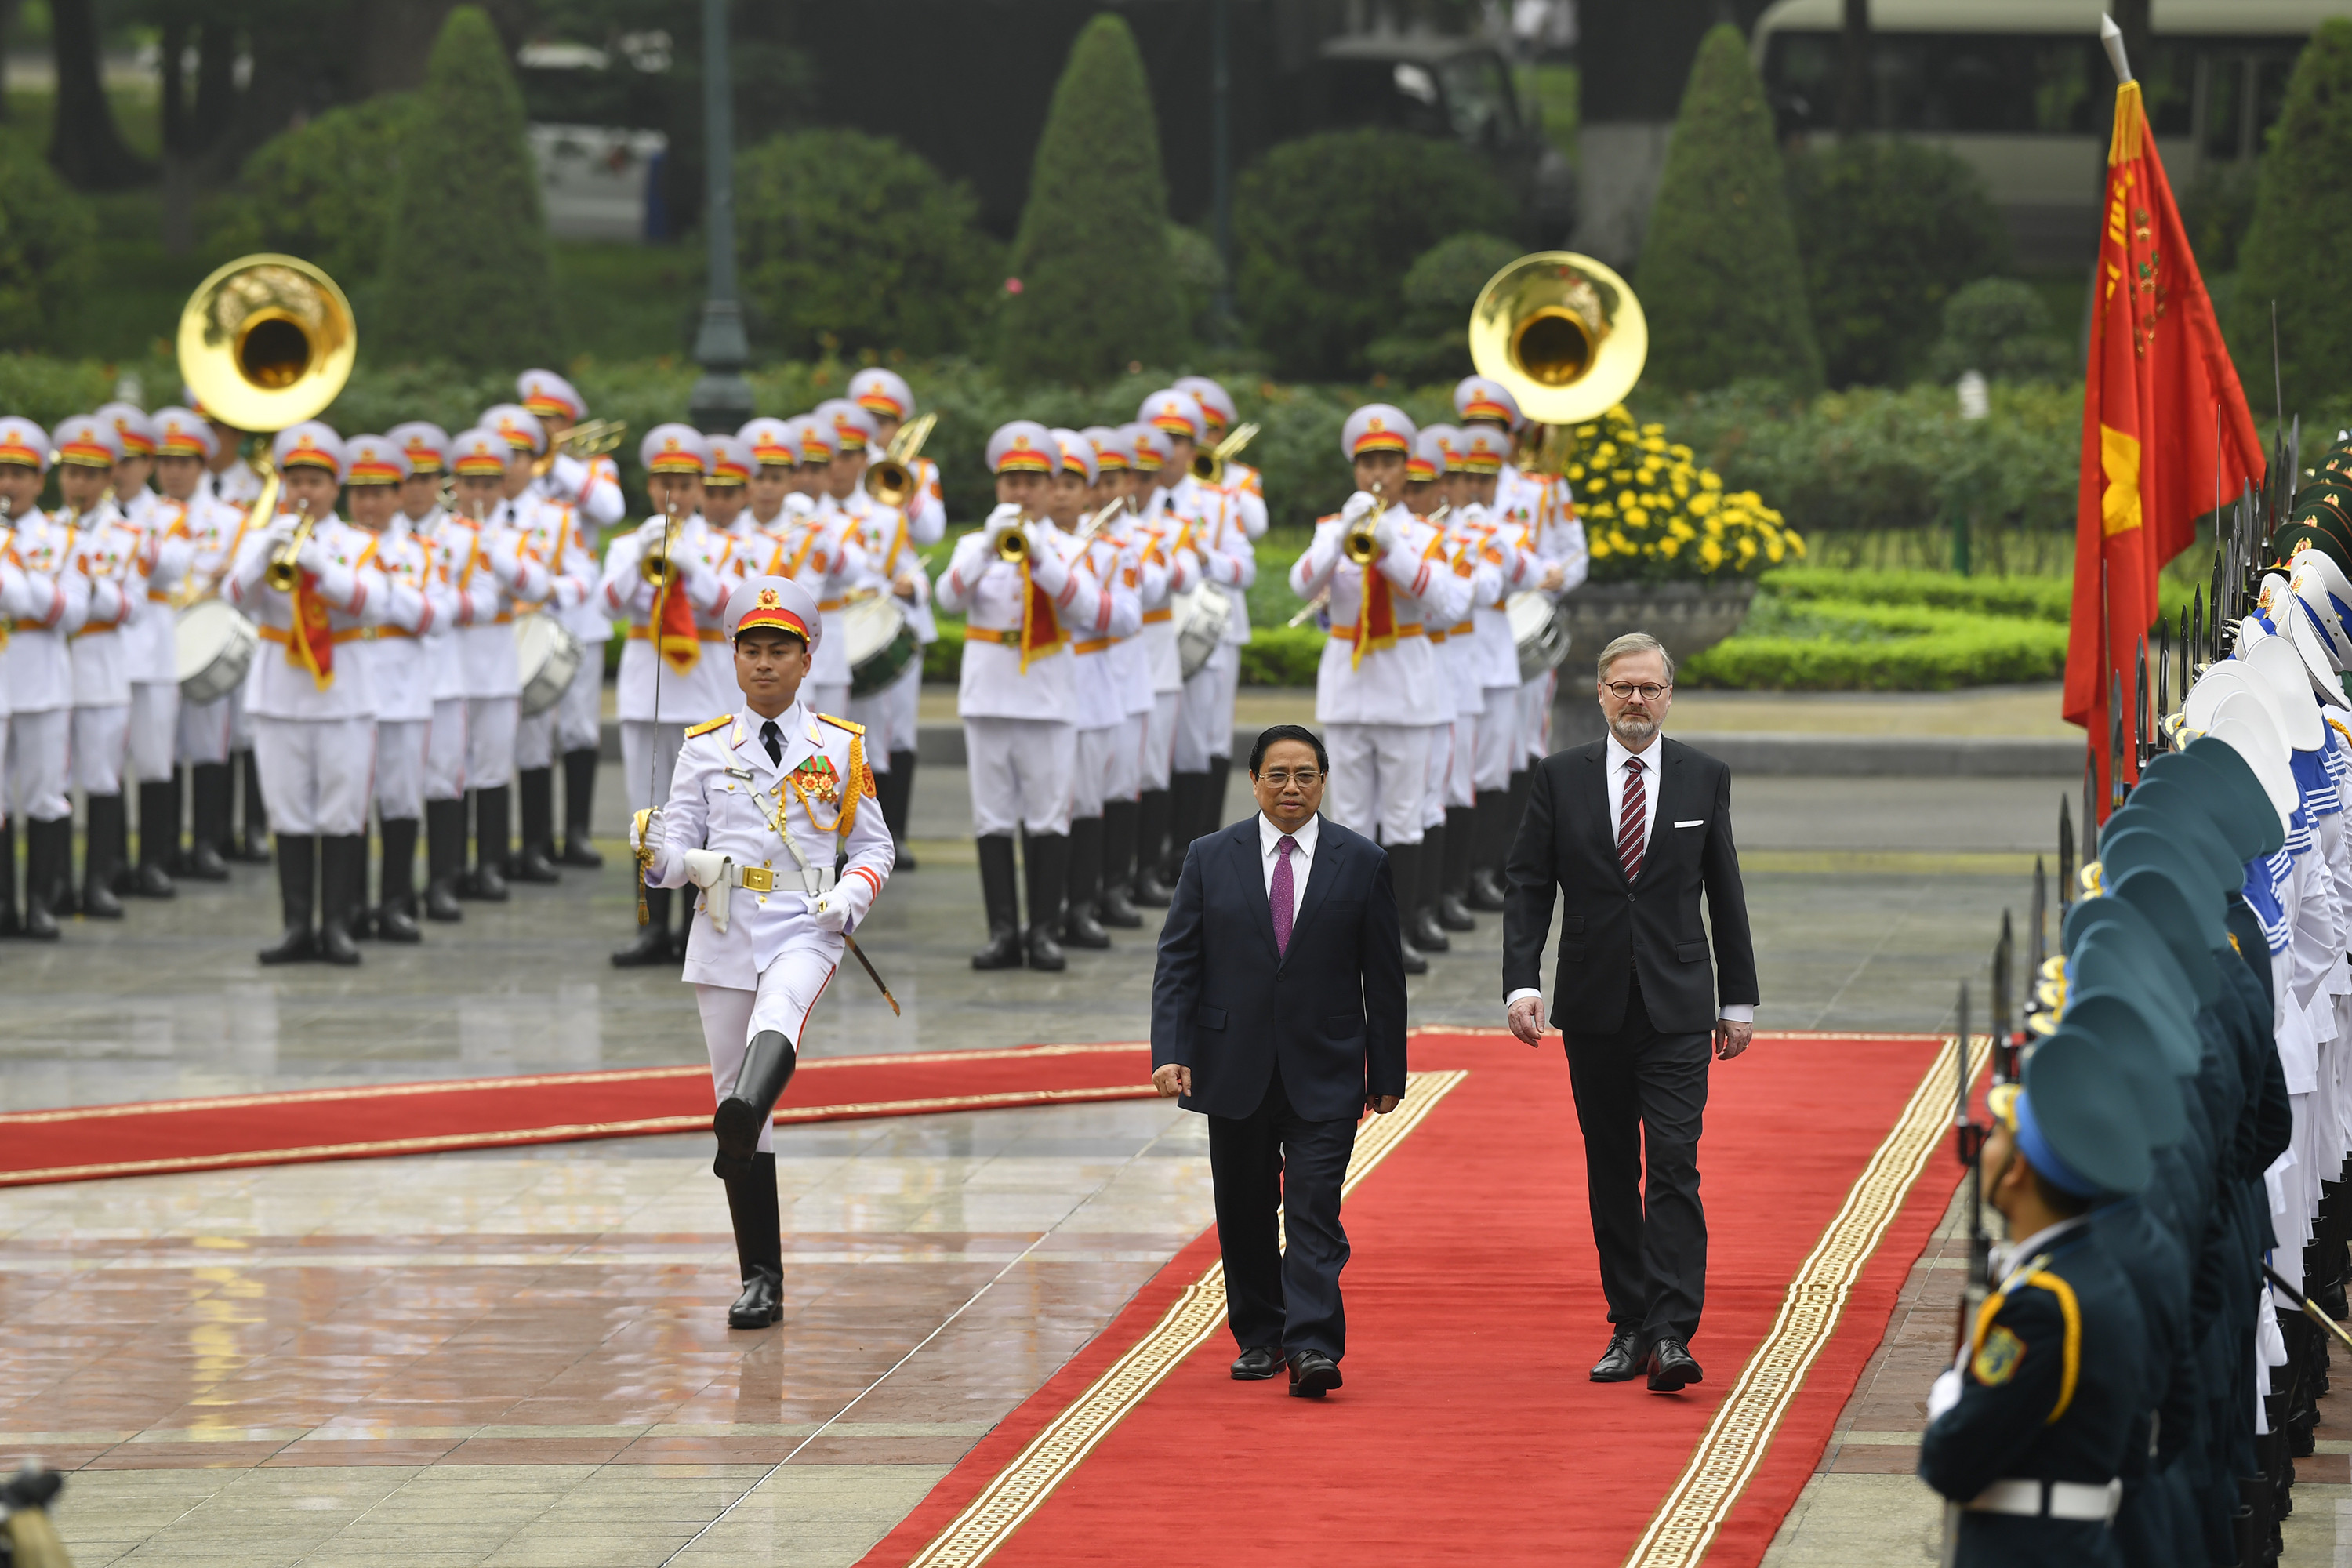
point(1302, 856)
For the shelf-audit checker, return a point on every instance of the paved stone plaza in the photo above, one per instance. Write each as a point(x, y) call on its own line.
point(519, 1356)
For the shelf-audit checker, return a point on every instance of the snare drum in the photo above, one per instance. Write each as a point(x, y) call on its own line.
point(881, 641)
point(1200, 617)
point(212, 647)
point(1539, 631)
point(549, 655)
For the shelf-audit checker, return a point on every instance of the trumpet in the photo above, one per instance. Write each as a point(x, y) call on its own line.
point(1209, 467)
point(1012, 544)
point(655, 565)
point(285, 568)
point(589, 438)
point(1360, 545)
point(891, 479)
point(1095, 524)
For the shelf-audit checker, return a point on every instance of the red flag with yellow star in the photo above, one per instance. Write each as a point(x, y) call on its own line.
point(2165, 426)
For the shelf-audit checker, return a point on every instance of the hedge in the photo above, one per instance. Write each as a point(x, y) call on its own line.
point(1838, 645)
point(2288, 254)
point(1275, 656)
point(2050, 599)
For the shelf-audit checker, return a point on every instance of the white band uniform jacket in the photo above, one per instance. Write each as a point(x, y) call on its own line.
point(165, 554)
point(1399, 684)
point(107, 551)
point(415, 607)
point(502, 579)
point(824, 555)
point(1102, 696)
point(35, 665)
point(989, 590)
point(723, 797)
point(1156, 547)
point(702, 554)
point(340, 558)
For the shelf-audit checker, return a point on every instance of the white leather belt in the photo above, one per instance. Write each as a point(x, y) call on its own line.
point(2050, 1500)
point(719, 876)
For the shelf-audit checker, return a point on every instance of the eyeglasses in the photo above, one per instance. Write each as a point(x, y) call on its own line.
point(1305, 778)
point(1625, 690)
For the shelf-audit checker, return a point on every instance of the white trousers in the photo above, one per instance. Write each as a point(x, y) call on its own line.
point(1159, 739)
point(788, 992)
point(444, 750)
point(1020, 772)
point(580, 711)
point(1204, 718)
point(99, 738)
point(154, 729)
point(400, 748)
point(39, 748)
point(1380, 778)
point(1124, 779)
point(1535, 719)
point(1441, 762)
point(1498, 734)
point(315, 773)
point(1088, 780)
point(648, 756)
point(490, 740)
point(1460, 762)
point(534, 742)
point(207, 730)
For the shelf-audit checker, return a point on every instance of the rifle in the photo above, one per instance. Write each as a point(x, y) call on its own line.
point(2005, 1044)
point(1967, 1141)
point(2066, 849)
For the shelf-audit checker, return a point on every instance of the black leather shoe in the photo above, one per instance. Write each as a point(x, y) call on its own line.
point(578, 851)
point(760, 1306)
point(904, 859)
point(1256, 1363)
point(300, 944)
point(532, 865)
point(1413, 963)
point(441, 901)
point(1150, 892)
point(1424, 932)
point(1313, 1374)
point(1671, 1366)
point(203, 863)
point(1454, 914)
point(1080, 929)
point(1003, 951)
point(393, 923)
point(1115, 909)
point(485, 884)
point(1618, 1363)
point(649, 950)
point(1044, 952)
point(1487, 891)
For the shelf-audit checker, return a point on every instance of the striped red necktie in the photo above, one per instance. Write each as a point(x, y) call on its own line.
point(1629, 822)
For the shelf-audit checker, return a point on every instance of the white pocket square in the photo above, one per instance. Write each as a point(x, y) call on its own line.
point(1694, 822)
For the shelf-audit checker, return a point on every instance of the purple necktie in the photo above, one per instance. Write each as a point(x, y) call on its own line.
point(1278, 896)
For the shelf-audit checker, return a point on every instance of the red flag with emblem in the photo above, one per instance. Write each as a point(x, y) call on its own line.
point(2164, 428)
point(311, 643)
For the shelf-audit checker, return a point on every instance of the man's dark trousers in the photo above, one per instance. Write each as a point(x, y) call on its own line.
point(1652, 1253)
point(1278, 1300)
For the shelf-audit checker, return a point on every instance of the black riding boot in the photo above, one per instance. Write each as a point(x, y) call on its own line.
point(49, 875)
point(159, 839)
point(253, 846)
point(1045, 860)
point(758, 1219)
point(342, 894)
point(395, 912)
point(760, 1079)
point(901, 796)
point(536, 790)
point(1187, 798)
point(298, 870)
point(212, 794)
point(445, 859)
point(1453, 883)
point(1213, 805)
point(12, 919)
point(493, 841)
point(1151, 814)
point(1079, 928)
point(1493, 846)
point(579, 806)
point(1404, 876)
point(1420, 927)
point(1000, 895)
point(651, 945)
point(101, 834)
point(1114, 907)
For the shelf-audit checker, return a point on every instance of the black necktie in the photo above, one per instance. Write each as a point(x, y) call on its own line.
point(774, 741)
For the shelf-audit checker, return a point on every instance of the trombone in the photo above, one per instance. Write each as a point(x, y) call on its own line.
point(1209, 467)
point(589, 438)
point(891, 479)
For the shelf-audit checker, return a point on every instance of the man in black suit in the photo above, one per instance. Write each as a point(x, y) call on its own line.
point(1633, 829)
point(1278, 1011)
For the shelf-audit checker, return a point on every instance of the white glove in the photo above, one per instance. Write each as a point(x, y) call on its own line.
point(1944, 1395)
point(830, 911)
point(1385, 532)
point(1357, 505)
point(312, 556)
point(1002, 522)
point(644, 828)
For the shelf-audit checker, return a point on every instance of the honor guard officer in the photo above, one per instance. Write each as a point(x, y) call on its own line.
point(768, 799)
point(394, 651)
point(1377, 694)
point(1101, 709)
point(205, 732)
point(150, 650)
point(312, 586)
point(668, 578)
point(49, 599)
point(896, 539)
point(1240, 481)
point(106, 550)
point(450, 543)
point(2026, 1432)
point(1015, 693)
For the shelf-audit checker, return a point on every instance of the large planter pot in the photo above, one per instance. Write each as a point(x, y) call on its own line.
point(1688, 617)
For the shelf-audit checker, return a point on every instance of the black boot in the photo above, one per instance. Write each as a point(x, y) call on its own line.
point(12, 918)
point(342, 893)
point(579, 806)
point(752, 1207)
point(1045, 860)
point(1151, 814)
point(1404, 876)
point(159, 839)
point(297, 869)
point(1079, 927)
point(493, 841)
point(743, 1110)
point(103, 832)
point(998, 895)
point(536, 790)
point(445, 859)
point(212, 790)
point(900, 797)
point(1186, 795)
point(1453, 883)
point(651, 946)
point(1113, 908)
point(1213, 805)
point(49, 875)
point(1420, 927)
point(395, 912)
point(1487, 854)
point(253, 846)
point(684, 931)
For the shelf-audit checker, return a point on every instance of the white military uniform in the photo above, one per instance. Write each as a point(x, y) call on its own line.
point(826, 555)
point(651, 734)
point(207, 730)
point(397, 652)
point(109, 552)
point(556, 535)
point(36, 666)
point(895, 538)
point(591, 488)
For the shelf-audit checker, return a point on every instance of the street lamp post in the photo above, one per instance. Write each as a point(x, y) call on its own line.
point(722, 399)
point(1221, 157)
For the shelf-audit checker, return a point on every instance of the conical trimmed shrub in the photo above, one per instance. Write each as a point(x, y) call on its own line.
point(2290, 253)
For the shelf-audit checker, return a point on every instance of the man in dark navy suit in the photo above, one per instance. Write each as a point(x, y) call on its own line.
point(1278, 1012)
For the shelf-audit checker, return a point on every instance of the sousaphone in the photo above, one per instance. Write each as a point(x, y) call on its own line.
point(1565, 335)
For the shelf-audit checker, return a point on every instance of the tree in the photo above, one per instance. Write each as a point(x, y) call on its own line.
point(84, 143)
point(1889, 230)
point(1432, 343)
point(465, 272)
point(45, 236)
point(854, 237)
point(319, 192)
point(2287, 257)
point(1325, 228)
point(1720, 278)
point(1999, 328)
point(1096, 286)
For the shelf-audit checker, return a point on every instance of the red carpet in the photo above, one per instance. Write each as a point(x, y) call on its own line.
point(1468, 1431)
point(158, 1136)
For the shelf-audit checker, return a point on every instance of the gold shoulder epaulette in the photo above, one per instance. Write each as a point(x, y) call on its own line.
point(709, 724)
point(854, 729)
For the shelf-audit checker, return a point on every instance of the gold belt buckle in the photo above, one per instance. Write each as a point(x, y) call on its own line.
point(759, 880)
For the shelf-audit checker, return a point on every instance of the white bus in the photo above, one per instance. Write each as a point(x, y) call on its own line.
point(2013, 86)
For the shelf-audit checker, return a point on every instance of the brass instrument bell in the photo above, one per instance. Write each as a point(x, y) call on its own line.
point(589, 438)
point(655, 565)
point(1208, 466)
point(1563, 333)
point(890, 479)
point(285, 568)
point(266, 342)
point(1012, 544)
point(1362, 544)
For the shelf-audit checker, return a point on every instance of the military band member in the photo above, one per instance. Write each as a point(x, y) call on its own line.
point(312, 704)
point(1380, 694)
point(151, 653)
point(1165, 538)
point(889, 402)
point(106, 550)
point(1101, 700)
point(205, 732)
point(394, 650)
point(768, 798)
point(1015, 696)
point(452, 543)
point(1244, 483)
point(823, 553)
point(775, 459)
point(232, 481)
point(557, 536)
point(672, 673)
point(1146, 571)
point(897, 538)
point(1497, 747)
point(52, 599)
point(1450, 814)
